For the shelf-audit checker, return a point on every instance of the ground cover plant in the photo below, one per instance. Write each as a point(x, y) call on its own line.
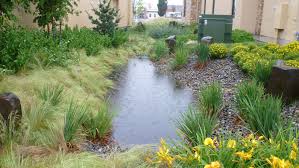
point(240, 36)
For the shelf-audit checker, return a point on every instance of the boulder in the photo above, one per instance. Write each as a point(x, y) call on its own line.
point(10, 104)
point(207, 40)
point(171, 43)
point(284, 81)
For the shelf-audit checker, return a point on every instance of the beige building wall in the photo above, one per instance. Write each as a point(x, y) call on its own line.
point(246, 15)
point(84, 8)
point(279, 19)
point(222, 7)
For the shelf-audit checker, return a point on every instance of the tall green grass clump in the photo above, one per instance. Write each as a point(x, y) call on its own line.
point(211, 99)
point(8, 130)
point(99, 125)
point(74, 118)
point(195, 126)
point(51, 94)
point(262, 72)
point(261, 112)
point(248, 92)
point(181, 57)
point(158, 31)
point(160, 50)
point(202, 51)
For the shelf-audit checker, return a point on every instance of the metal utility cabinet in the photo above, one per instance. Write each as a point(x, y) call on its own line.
point(217, 26)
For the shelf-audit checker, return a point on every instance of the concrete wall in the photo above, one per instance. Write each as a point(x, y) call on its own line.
point(82, 20)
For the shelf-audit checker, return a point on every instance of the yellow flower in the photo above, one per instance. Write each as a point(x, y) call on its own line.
point(163, 154)
point(231, 144)
point(261, 138)
point(275, 162)
point(254, 143)
point(295, 147)
point(213, 165)
point(196, 151)
point(209, 142)
point(293, 155)
point(245, 155)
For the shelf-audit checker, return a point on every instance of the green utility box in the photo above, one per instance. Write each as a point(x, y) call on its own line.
point(217, 26)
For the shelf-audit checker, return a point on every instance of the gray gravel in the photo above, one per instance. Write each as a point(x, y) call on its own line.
point(229, 75)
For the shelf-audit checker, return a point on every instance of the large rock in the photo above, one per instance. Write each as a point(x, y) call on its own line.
point(171, 43)
point(284, 81)
point(207, 40)
point(10, 104)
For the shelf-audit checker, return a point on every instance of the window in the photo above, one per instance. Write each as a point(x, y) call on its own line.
point(150, 15)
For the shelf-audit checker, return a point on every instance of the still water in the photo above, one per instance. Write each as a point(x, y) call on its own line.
point(147, 103)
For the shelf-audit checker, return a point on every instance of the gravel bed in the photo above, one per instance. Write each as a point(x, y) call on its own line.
point(229, 75)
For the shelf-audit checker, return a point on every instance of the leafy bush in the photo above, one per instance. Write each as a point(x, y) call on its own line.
point(164, 30)
point(238, 48)
point(181, 57)
point(202, 52)
point(194, 126)
point(51, 94)
point(98, 126)
point(240, 36)
point(218, 50)
point(292, 63)
point(86, 39)
point(119, 38)
point(210, 99)
point(160, 50)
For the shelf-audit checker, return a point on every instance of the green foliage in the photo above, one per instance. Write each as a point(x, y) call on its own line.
point(202, 52)
point(261, 112)
point(194, 126)
point(74, 118)
point(7, 7)
point(240, 36)
point(139, 8)
point(21, 48)
point(238, 48)
point(218, 50)
point(164, 31)
point(51, 94)
point(160, 50)
point(262, 72)
point(119, 38)
point(181, 57)
point(107, 18)
point(162, 7)
point(140, 27)
point(211, 99)
point(248, 92)
point(100, 125)
point(87, 39)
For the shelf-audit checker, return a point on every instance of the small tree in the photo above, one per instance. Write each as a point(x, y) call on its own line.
point(7, 6)
point(162, 7)
point(107, 18)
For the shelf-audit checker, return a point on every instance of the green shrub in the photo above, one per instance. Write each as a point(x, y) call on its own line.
point(240, 36)
point(238, 48)
point(51, 94)
point(202, 52)
point(262, 72)
point(181, 57)
point(194, 126)
point(100, 125)
point(211, 99)
point(164, 30)
point(218, 50)
point(74, 118)
point(160, 50)
point(119, 38)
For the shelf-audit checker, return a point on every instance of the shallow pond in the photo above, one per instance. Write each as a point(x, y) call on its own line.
point(147, 104)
